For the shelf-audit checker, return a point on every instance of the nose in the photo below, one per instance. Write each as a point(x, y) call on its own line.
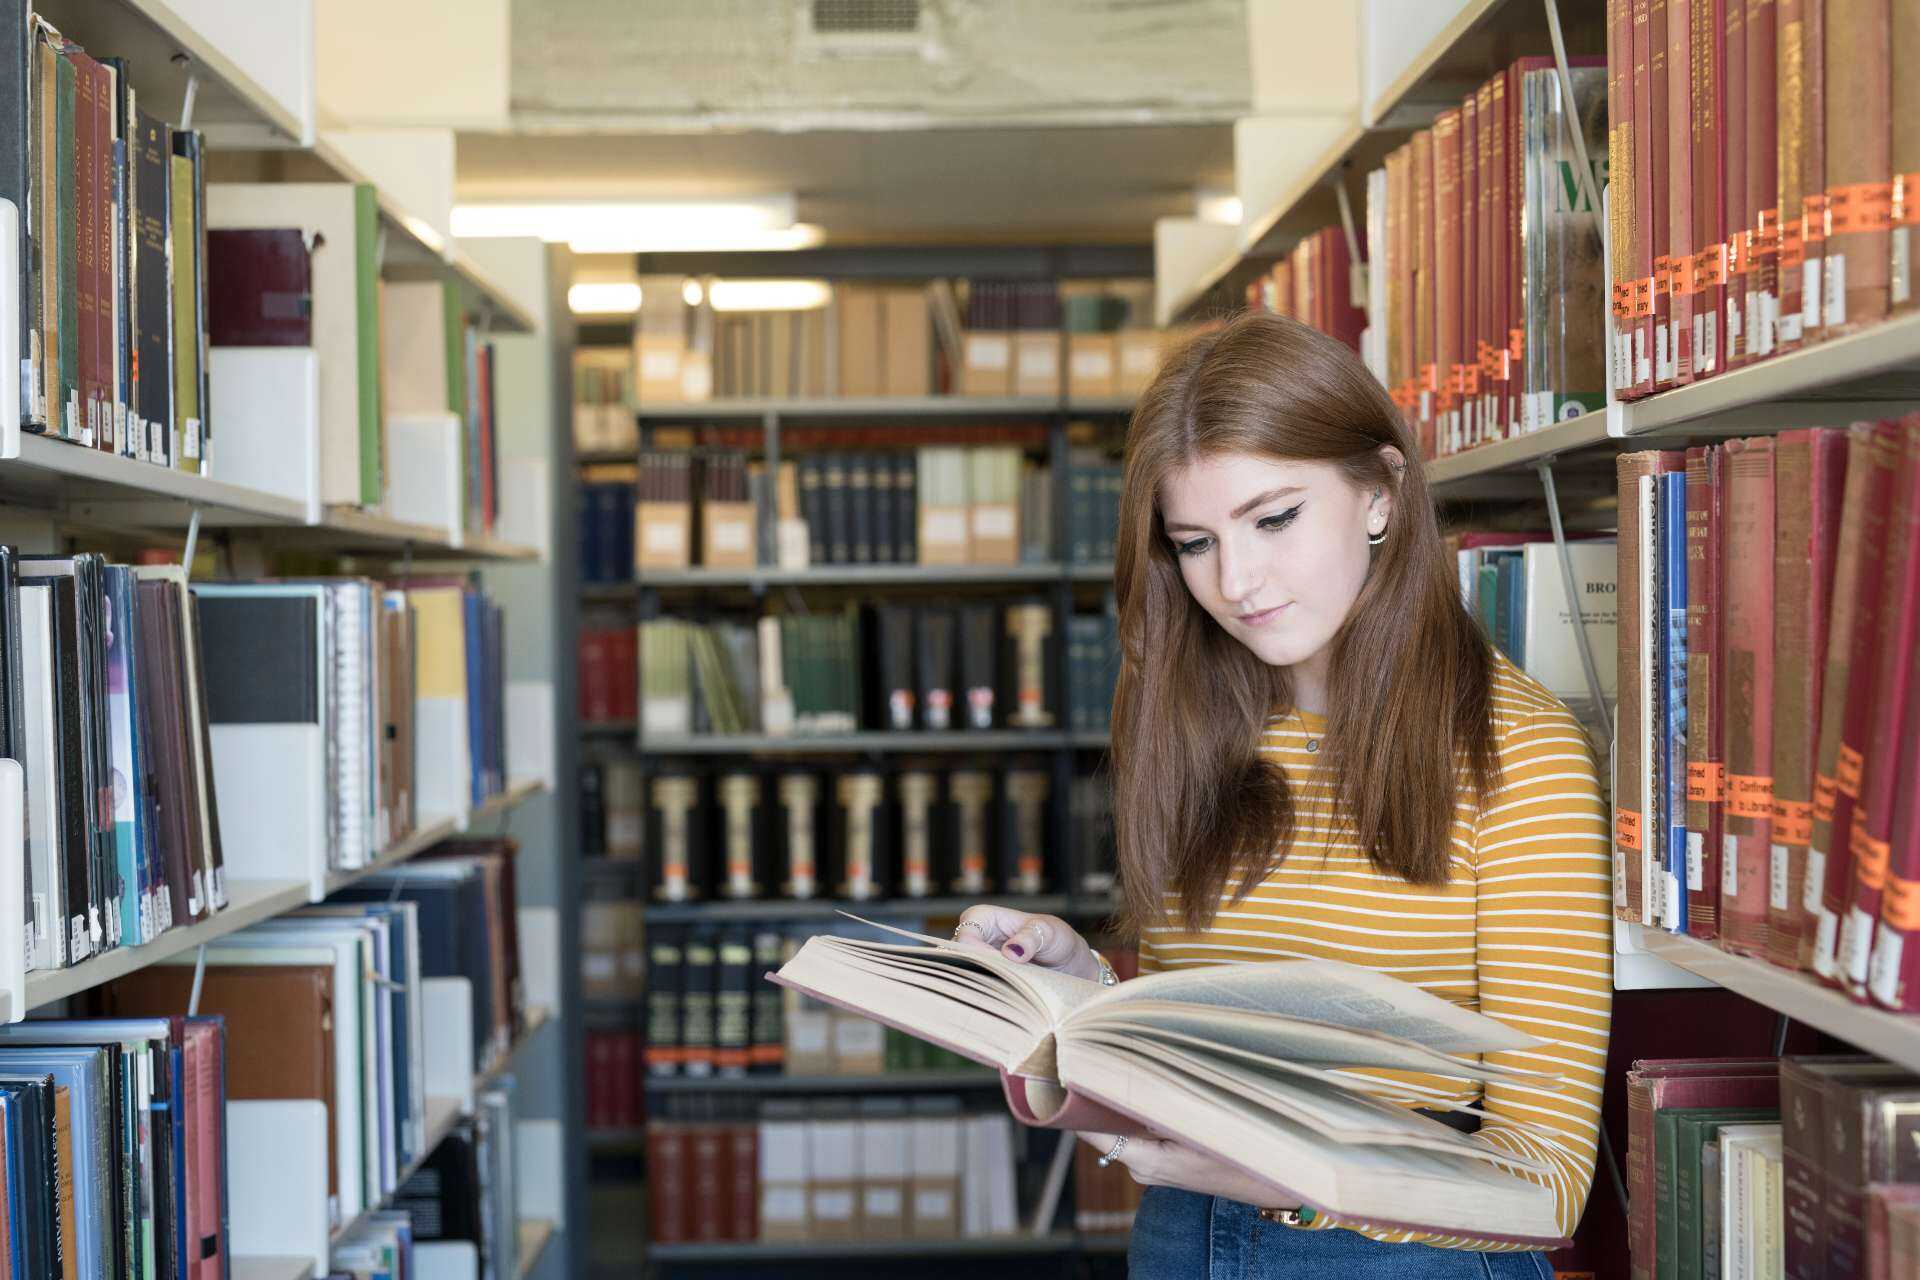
point(1239, 573)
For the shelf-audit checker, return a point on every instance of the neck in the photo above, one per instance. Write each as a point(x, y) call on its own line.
point(1310, 683)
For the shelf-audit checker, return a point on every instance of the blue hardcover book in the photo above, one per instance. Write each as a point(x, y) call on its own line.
point(1673, 665)
point(16, 1181)
point(86, 1074)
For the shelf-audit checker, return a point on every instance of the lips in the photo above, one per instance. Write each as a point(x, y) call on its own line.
point(1262, 618)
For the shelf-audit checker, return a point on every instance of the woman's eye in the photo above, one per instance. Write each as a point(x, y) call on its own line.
point(1274, 523)
point(1193, 548)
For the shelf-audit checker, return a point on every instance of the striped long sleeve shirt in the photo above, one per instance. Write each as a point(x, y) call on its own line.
point(1521, 932)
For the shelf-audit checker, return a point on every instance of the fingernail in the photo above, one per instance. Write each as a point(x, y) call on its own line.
point(1017, 949)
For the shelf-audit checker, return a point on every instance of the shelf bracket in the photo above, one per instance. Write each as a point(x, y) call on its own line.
point(1357, 263)
point(199, 974)
point(193, 91)
point(193, 541)
point(1544, 469)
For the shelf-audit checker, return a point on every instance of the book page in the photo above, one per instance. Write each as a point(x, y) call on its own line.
point(1331, 992)
point(1056, 993)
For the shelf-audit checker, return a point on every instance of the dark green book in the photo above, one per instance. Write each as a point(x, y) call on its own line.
point(1678, 1134)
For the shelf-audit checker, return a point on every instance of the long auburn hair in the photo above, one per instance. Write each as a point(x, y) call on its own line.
point(1409, 694)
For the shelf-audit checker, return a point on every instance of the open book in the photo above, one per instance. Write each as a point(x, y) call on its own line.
point(1243, 1062)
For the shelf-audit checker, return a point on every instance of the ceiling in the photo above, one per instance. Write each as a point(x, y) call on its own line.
point(994, 121)
point(1074, 184)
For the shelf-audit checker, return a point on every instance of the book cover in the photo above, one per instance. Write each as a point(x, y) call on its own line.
point(1813, 166)
point(1706, 767)
point(1858, 87)
point(1622, 193)
point(1656, 138)
point(1873, 1135)
point(1635, 759)
point(1762, 296)
point(1671, 628)
point(1747, 695)
point(1810, 475)
point(1447, 277)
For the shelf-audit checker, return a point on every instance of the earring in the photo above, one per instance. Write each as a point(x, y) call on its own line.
point(1377, 538)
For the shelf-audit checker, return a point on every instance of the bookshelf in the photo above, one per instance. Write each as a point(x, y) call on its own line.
point(720, 911)
point(876, 742)
point(892, 1082)
point(1010, 1246)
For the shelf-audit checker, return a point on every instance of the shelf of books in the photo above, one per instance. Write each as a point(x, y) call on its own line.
point(860, 575)
point(851, 407)
point(890, 742)
point(891, 1081)
point(723, 911)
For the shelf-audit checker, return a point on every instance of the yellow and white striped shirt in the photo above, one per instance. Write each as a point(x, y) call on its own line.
point(1521, 932)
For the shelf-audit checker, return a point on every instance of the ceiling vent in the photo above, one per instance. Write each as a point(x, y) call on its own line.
point(864, 29)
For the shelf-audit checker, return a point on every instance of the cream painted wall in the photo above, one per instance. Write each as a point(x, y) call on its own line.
point(1305, 57)
point(412, 62)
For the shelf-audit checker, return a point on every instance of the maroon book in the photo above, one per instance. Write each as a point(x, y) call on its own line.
point(259, 288)
point(743, 1168)
point(669, 1215)
point(1873, 1135)
point(1706, 766)
point(712, 1191)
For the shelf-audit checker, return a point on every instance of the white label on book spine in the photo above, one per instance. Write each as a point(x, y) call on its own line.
point(659, 366)
point(807, 1031)
point(834, 1206)
point(984, 352)
point(665, 537)
point(1778, 867)
point(1815, 883)
point(1810, 293)
point(994, 522)
point(732, 535)
point(1835, 300)
point(1729, 865)
point(1697, 859)
point(1093, 365)
point(1856, 946)
point(1826, 940)
point(884, 1202)
point(1902, 285)
point(932, 1202)
point(946, 526)
point(1883, 971)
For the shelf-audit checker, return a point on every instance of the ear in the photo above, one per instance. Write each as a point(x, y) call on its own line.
point(1380, 501)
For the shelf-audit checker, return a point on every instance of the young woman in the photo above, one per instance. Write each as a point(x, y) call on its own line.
point(1317, 754)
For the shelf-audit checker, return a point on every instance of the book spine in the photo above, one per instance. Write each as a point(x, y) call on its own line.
point(1679, 169)
point(1832, 847)
point(1619, 15)
point(668, 1209)
point(1790, 71)
point(1873, 817)
point(1859, 92)
point(1644, 181)
point(1672, 623)
point(1709, 163)
point(1446, 196)
point(1762, 296)
point(1660, 182)
point(1813, 166)
point(1737, 210)
point(1803, 1156)
point(1705, 777)
point(1904, 281)
point(1423, 314)
point(1747, 693)
point(1632, 812)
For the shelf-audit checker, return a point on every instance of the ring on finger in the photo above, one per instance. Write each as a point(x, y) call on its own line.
point(1114, 1153)
point(974, 925)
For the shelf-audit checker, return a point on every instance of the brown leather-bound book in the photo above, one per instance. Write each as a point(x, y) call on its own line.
point(1873, 1135)
point(63, 1151)
point(1842, 755)
point(1763, 181)
point(668, 1210)
point(259, 288)
point(1813, 168)
point(1659, 197)
point(1421, 239)
point(1747, 695)
point(1738, 210)
point(1790, 72)
point(1709, 187)
point(711, 1194)
point(1637, 192)
point(1447, 278)
point(1635, 838)
point(1706, 770)
point(1679, 170)
point(743, 1168)
point(279, 1026)
point(1810, 476)
point(1399, 268)
point(1905, 282)
point(1620, 186)
point(1501, 364)
point(1859, 98)
point(1466, 371)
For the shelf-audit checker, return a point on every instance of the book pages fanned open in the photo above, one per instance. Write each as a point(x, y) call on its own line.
point(1252, 1064)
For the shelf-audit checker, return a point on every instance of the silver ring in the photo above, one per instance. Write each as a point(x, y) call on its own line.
point(1114, 1154)
point(974, 925)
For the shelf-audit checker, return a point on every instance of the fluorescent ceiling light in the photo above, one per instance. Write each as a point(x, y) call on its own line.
point(605, 299)
point(1218, 206)
point(644, 226)
point(769, 295)
point(690, 291)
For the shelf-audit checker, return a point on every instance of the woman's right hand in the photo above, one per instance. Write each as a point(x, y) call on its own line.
point(1025, 938)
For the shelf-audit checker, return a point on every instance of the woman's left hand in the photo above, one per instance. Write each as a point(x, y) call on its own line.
point(1154, 1162)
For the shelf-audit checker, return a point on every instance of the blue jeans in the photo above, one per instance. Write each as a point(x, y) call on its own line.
point(1181, 1235)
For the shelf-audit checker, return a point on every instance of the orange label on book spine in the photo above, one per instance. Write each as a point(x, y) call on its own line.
point(1706, 781)
point(1516, 343)
point(1621, 292)
point(1848, 773)
point(1710, 266)
point(1792, 822)
point(1750, 796)
point(1793, 243)
point(1901, 906)
point(1859, 206)
point(1740, 250)
point(1870, 858)
point(1766, 233)
point(1662, 274)
point(1626, 829)
point(1906, 199)
point(1824, 789)
point(1813, 218)
point(1642, 300)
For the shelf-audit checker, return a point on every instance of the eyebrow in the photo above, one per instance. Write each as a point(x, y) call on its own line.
point(1259, 499)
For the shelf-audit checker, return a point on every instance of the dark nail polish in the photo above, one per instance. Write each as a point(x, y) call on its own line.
point(1017, 949)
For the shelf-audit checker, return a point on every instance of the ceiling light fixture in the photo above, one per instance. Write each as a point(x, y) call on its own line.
point(769, 295)
point(690, 291)
point(653, 226)
point(603, 299)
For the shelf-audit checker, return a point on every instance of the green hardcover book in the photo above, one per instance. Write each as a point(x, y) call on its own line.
point(183, 238)
point(1693, 1128)
point(456, 349)
point(71, 418)
point(366, 216)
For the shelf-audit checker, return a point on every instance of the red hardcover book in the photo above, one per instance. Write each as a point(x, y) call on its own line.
point(1813, 165)
point(1893, 969)
point(1810, 477)
point(743, 1166)
point(1859, 148)
point(1842, 755)
point(1737, 211)
point(1706, 769)
point(1653, 1085)
point(1645, 179)
point(1679, 171)
point(712, 1189)
point(1873, 1135)
point(1473, 212)
point(1855, 581)
point(1426, 376)
point(628, 1112)
point(597, 1050)
point(1790, 71)
point(1447, 266)
point(596, 675)
point(1660, 179)
point(625, 679)
point(1709, 188)
point(1892, 742)
point(1763, 181)
point(669, 1215)
point(1493, 365)
point(1747, 696)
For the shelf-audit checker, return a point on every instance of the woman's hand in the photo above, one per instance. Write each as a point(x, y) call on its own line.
point(1023, 938)
point(1157, 1163)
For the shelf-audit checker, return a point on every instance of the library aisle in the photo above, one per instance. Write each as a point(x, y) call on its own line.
point(521, 519)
